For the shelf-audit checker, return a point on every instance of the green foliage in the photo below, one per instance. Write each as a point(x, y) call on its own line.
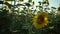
point(29, 0)
point(20, 21)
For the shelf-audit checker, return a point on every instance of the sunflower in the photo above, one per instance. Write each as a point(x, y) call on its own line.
point(40, 20)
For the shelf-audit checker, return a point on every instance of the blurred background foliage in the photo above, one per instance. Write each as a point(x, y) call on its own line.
point(17, 18)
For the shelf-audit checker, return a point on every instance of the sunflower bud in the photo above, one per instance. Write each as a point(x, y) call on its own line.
point(21, 0)
point(47, 2)
point(33, 2)
point(59, 8)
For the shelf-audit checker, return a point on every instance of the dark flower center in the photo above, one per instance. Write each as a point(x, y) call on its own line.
point(40, 19)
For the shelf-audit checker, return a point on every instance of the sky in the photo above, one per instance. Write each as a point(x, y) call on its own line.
point(52, 3)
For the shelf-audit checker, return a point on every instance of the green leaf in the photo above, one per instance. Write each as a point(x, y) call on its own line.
point(9, 0)
point(30, 1)
point(28, 4)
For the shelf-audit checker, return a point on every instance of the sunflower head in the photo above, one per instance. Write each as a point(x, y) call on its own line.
point(40, 20)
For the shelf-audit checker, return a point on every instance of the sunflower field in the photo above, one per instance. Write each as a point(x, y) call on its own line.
point(19, 17)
